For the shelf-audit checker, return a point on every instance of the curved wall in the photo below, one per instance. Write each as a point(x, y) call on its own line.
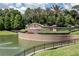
point(47, 37)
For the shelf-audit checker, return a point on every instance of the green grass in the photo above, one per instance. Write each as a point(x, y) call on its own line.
point(48, 31)
point(75, 33)
point(23, 30)
point(72, 50)
point(60, 31)
point(7, 33)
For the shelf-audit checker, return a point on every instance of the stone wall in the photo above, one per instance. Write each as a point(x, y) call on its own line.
point(43, 37)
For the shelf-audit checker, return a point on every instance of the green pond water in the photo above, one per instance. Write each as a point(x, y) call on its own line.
point(10, 48)
point(10, 45)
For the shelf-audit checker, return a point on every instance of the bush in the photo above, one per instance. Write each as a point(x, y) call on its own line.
point(23, 30)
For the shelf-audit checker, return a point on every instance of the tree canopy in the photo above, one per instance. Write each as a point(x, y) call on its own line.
point(11, 19)
point(55, 16)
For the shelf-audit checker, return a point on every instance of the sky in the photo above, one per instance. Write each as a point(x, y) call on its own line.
point(23, 6)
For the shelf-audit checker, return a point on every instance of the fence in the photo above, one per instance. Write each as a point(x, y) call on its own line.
point(45, 46)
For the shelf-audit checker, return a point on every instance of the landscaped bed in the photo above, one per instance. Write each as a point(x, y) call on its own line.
point(72, 50)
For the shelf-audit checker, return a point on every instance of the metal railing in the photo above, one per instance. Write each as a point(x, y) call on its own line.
point(45, 46)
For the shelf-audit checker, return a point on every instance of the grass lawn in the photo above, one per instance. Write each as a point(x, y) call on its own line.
point(48, 31)
point(72, 50)
point(59, 31)
point(7, 33)
point(75, 33)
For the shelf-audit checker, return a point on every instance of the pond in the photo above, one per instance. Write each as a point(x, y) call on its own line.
point(11, 49)
point(10, 45)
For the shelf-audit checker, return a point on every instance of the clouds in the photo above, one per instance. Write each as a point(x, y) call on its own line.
point(74, 4)
point(18, 5)
point(23, 6)
point(67, 5)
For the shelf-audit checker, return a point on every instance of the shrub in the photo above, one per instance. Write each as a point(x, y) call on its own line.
point(23, 30)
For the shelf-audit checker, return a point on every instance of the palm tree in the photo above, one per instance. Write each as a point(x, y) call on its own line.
point(56, 8)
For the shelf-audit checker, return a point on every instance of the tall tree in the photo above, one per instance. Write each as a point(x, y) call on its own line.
point(7, 22)
point(1, 23)
point(17, 21)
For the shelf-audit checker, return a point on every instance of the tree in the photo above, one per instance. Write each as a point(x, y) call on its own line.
point(57, 16)
point(56, 8)
point(28, 15)
point(51, 20)
point(76, 7)
point(60, 20)
point(17, 22)
point(69, 20)
point(73, 13)
point(8, 19)
point(7, 23)
point(1, 23)
point(12, 18)
point(66, 12)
